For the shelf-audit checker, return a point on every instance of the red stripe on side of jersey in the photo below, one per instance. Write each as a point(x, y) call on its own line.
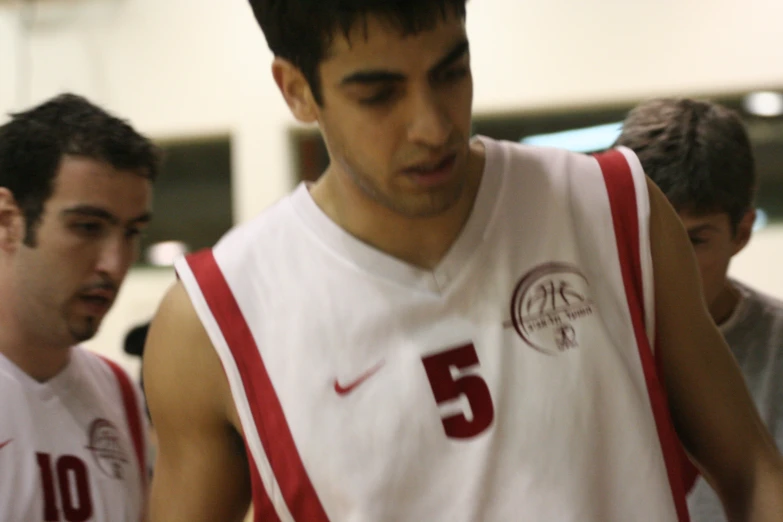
point(263, 509)
point(133, 413)
point(622, 201)
point(275, 435)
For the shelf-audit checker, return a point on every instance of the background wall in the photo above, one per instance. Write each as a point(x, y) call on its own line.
point(189, 67)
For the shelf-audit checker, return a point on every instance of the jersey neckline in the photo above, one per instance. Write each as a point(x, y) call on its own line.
point(47, 389)
point(381, 264)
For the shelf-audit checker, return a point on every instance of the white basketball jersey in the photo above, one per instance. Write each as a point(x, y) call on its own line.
point(72, 449)
point(514, 382)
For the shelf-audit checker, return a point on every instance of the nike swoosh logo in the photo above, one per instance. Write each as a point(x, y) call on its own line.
point(343, 390)
point(4, 444)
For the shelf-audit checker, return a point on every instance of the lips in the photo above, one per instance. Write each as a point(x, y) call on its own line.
point(95, 299)
point(432, 175)
point(431, 167)
point(98, 299)
point(107, 295)
point(95, 305)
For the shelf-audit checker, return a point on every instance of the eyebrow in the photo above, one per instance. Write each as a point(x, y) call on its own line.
point(380, 75)
point(100, 213)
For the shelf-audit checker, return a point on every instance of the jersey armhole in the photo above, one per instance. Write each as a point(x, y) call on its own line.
point(626, 205)
point(134, 416)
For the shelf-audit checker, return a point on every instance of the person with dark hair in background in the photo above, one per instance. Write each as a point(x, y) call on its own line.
point(700, 156)
point(75, 194)
point(441, 328)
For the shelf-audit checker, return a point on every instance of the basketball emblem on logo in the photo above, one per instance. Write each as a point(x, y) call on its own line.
point(548, 305)
point(107, 448)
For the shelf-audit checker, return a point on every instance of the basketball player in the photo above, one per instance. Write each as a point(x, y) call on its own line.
point(75, 193)
point(441, 328)
point(699, 155)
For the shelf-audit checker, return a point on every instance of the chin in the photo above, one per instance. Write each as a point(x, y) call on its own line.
point(431, 209)
point(84, 332)
point(81, 337)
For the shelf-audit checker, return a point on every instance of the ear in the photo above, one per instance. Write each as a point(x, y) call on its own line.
point(11, 220)
point(295, 90)
point(744, 230)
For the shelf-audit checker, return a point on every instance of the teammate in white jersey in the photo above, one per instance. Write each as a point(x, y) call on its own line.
point(440, 328)
point(75, 192)
point(700, 155)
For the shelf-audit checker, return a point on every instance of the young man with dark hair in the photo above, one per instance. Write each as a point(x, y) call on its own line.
point(75, 193)
point(441, 328)
point(700, 156)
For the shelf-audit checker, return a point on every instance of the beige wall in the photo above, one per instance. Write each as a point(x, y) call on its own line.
point(188, 67)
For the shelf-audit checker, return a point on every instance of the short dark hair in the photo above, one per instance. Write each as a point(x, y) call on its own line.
point(34, 142)
point(697, 152)
point(301, 31)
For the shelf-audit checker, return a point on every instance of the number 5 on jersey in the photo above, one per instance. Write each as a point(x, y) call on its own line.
point(448, 386)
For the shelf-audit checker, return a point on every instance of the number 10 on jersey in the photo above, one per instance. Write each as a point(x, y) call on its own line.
point(446, 372)
point(68, 477)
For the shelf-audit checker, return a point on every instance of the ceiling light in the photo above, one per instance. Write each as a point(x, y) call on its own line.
point(764, 103)
point(762, 220)
point(166, 252)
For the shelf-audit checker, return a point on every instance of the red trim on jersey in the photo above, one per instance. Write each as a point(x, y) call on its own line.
point(622, 200)
point(133, 413)
point(273, 431)
point(263, 509)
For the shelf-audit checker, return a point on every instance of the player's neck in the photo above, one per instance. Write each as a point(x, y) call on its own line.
point(422, 242)
point(725, 304)
point(40, 364)
point(37, 358)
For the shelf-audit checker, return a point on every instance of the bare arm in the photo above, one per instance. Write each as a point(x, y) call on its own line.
point(712, 409)
point(201, 473)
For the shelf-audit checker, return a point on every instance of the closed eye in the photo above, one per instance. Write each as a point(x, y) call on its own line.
point(453, 75)
point(133, 233)
point(379, 98)
point(89, 229)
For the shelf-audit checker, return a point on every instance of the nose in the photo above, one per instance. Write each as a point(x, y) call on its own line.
point(115, 257)
point(430, 124)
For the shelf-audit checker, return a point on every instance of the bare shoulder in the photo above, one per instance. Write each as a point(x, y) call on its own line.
point(663, 217)
point(201, 473)
point(711, 407)
point(674, 262)
point(179, 354)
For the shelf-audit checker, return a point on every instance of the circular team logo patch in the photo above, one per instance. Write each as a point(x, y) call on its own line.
point(548, 305)
point(107, 448)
